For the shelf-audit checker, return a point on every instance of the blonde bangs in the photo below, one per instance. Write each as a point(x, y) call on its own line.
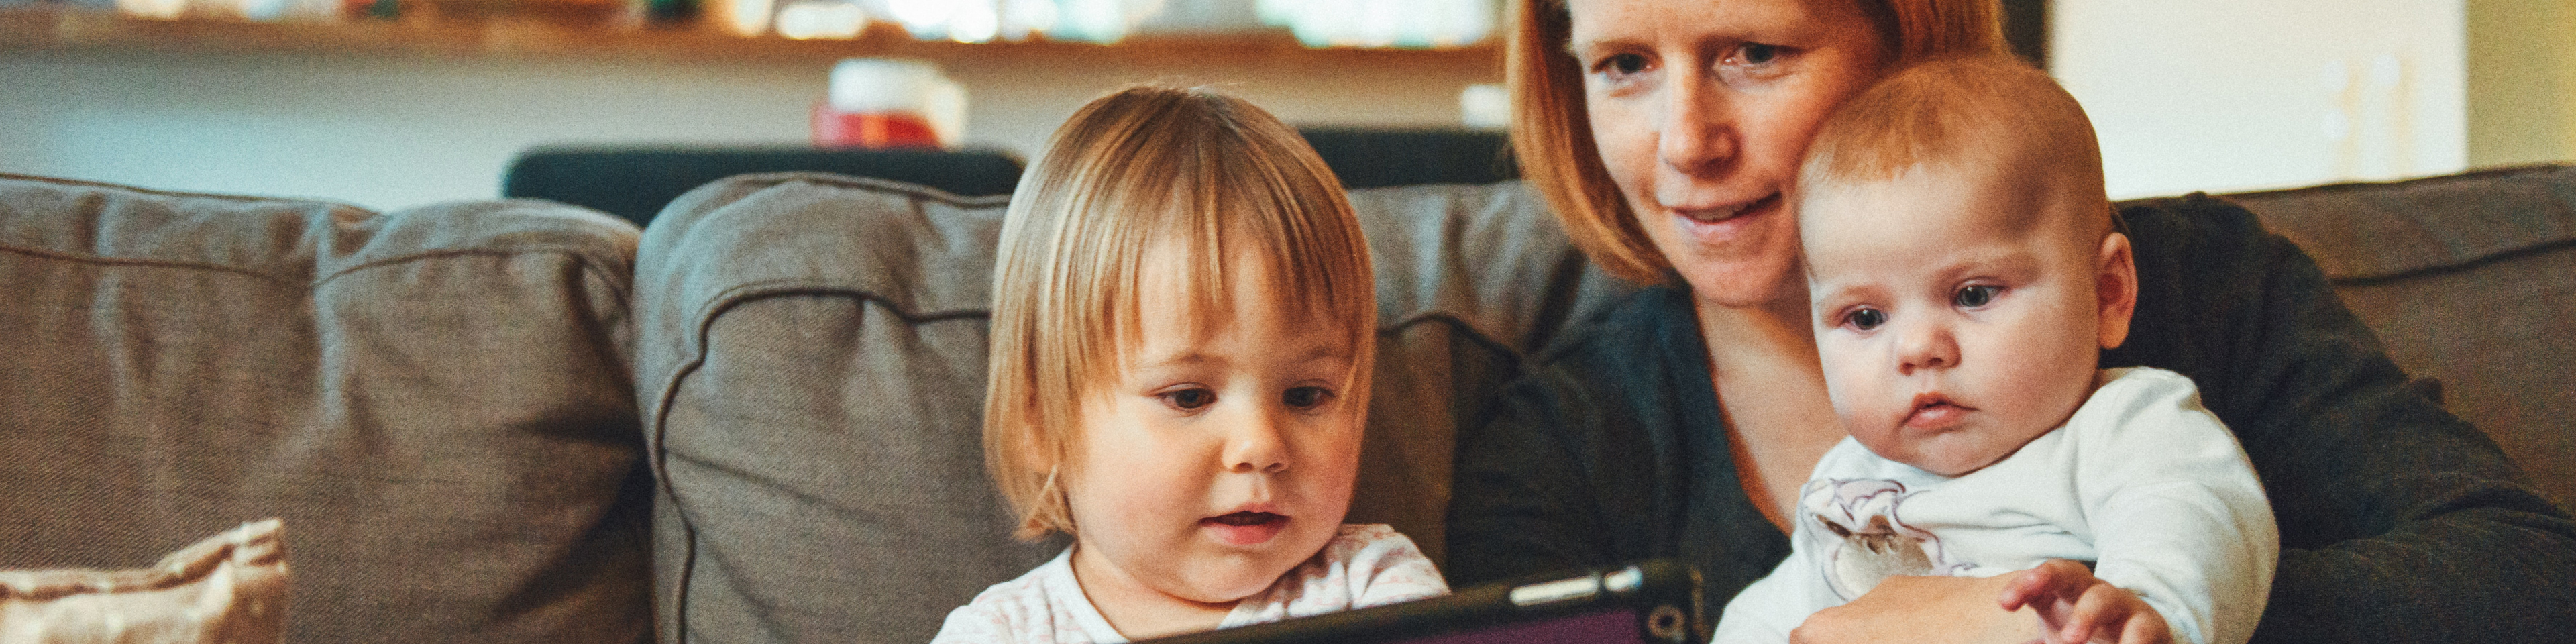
point(1149, 170)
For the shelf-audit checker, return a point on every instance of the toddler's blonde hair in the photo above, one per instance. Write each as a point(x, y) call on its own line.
point(1151, 168)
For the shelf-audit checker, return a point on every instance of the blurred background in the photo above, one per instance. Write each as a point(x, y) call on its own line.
point(395, 103)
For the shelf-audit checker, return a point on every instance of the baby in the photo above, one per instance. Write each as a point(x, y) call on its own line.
point(1965, 269)
point(1183, 326)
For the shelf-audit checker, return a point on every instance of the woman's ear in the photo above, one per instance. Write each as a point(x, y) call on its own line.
point(2115, 288)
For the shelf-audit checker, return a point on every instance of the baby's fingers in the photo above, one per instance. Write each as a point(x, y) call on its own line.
point(2054, 581)
point(2108, 609)
point(2145, 627)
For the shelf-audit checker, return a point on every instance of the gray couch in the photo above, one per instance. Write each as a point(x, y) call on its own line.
point(507, 421)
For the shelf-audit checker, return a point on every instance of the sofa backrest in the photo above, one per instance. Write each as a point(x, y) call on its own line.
point(2470, 280)
point(812, 367)
point(436, 402)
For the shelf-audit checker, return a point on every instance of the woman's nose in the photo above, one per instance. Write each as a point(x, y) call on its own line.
point(1926, 345)
point(1698, 133)
point(1255, 445)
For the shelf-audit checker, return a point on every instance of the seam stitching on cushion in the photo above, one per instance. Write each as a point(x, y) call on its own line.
point(174, 193)
point(915, 191)
point(1460, 324)
point(154, 263)
point(573, 251)
point(2455, 267)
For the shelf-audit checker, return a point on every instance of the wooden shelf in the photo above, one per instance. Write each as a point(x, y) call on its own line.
point(73, 30)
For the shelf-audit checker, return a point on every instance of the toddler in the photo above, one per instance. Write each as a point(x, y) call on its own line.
point(1965, 270)
point(1183, 327)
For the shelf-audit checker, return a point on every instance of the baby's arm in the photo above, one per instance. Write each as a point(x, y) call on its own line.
point(2177, 517)
point(2077, 607)
point(1765, 611)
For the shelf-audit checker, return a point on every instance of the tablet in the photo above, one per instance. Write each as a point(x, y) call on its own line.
point(1652, 602)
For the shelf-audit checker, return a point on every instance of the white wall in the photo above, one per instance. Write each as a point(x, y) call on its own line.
point(394, 131)
point(2237, 94)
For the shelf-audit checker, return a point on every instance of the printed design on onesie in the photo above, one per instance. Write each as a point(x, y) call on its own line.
point(1855, 526)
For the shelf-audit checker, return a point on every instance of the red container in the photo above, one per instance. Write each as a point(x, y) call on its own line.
point(838, 129)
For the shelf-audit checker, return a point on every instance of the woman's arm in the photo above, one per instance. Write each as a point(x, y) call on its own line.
point(2399, 522)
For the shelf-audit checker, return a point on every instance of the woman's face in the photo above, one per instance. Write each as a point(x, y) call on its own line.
point(1702, 109)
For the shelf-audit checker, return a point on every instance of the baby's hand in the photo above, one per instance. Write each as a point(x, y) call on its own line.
point(2074, 606)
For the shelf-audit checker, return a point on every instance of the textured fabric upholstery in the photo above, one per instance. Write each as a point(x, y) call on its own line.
point(435, 401)
point(812, 365)
point(2471, 280)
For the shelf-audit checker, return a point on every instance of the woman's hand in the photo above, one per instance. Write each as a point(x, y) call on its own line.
point(1922, 610)
point(2075, 606)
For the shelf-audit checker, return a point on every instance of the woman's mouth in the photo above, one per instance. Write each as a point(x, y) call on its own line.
point(1726, 212)
point(1245, 528)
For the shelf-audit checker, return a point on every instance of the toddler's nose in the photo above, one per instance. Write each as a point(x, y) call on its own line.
point(1255, 446)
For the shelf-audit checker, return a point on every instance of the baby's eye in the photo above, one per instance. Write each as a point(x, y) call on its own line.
point(1865, 319)
point(1188, 399)
point(1305, 397)
point(1975, 296)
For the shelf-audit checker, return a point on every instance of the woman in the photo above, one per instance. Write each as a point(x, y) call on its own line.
point(1683, 420)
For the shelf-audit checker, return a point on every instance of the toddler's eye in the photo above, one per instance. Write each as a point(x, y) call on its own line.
point(1189, 398)
point(1866, 319)
point(1975, 296)
point(1305, 397)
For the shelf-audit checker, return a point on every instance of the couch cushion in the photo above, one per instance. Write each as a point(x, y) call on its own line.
point(812, 359)
point(434, 400)
point(2469, 279)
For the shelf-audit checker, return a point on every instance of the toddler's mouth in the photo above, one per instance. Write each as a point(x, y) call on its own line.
point(1245, 528)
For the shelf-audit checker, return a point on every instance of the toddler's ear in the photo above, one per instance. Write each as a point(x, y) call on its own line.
point(2115, 287)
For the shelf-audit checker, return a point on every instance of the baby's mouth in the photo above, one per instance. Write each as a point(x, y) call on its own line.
point(1245, 528)
point(1933, 412)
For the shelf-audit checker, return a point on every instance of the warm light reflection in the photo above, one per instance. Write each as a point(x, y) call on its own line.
point(158, 9)
point(974, 22)
point(821, 19)
point(744, 17)
point(1382, 23)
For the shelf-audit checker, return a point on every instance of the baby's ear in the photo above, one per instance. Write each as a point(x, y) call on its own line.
point(2115, 288)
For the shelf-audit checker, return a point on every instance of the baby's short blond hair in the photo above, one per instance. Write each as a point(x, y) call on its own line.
point(1151, 169)
point(1985, 114)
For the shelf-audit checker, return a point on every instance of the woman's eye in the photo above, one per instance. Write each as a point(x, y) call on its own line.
point(1866, 319)
point(1754, 53)
point(1622, 64)
point(1305, 397)
point(1189, 398)
point(1975, 296)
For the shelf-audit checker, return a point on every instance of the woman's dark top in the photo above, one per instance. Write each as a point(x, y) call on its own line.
point(2399, 522)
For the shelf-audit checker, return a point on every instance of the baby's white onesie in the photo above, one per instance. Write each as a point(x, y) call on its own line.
point(1364, 565)
point(2141, 480)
